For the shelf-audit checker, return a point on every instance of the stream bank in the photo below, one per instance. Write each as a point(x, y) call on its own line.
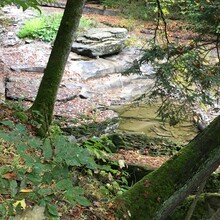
point(91, 88)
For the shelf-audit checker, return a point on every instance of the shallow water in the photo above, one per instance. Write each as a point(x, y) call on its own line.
point(143, 119)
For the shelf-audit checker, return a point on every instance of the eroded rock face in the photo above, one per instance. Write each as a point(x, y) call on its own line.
point(98, 42)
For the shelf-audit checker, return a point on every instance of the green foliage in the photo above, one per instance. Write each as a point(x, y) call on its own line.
point(45, 27)
point(98, 146)
point(185, 76)
point(127, 7)
point(146, 10)
point(42, 171)
point(114, 179)
point(203, 16)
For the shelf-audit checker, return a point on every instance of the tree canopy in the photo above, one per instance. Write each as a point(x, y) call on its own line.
point(187, 73)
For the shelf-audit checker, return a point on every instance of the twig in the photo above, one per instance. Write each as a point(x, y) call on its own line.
point(217, 47)
point(216, 215)
point(157, 27)
point(160, 13)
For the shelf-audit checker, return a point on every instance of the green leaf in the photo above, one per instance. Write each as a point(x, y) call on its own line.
point(29, 161)
point(39, 168)
point(35, 142)
point(21, 148)
point(23, 183)
point(77, 190)
point(2, 211)
point(4, 186)
point(21, 129)
point(34, 178)
point(8, 123)
point(47, 178)
point(13, 188)
point(10, 210)
point(60, 171)
point(82, 200)
point(47, 150)
point(52, 210)
point(45, 192)
point(69, 197)
point(7, 137)
point(5, 169)
point(64, 184)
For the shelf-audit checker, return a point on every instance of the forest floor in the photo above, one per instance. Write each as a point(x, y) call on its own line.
point(178, 32)
point(139, 30)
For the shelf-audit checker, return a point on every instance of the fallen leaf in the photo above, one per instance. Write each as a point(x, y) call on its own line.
point(21, 202)
point(26, 190)
point(10, 175)
point(121, 163)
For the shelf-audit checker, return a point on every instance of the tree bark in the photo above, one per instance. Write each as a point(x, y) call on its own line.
point(158, 194)
point(47, 92)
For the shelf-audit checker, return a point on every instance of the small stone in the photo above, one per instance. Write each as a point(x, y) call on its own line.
point(28, 41)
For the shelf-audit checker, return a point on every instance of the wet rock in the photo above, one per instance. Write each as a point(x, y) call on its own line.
point(98, 42)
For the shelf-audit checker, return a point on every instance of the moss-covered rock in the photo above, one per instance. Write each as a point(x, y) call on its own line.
point(155, 146)
point(87, 129)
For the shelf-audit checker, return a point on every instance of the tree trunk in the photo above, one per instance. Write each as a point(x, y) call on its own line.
point(42, 108)
point(158, 194)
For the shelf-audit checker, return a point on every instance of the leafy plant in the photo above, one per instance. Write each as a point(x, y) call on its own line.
point(45, 27)
point(41, 173)
point(114, 179)
point(44, 171)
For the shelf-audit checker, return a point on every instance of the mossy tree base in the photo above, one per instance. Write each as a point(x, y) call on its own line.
point(158, 194)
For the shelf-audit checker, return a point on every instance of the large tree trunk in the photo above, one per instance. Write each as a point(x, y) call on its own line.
point(46, 96)
point(158, 194)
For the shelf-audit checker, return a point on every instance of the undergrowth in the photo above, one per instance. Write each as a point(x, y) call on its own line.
point(45, 27)
point(54, 173)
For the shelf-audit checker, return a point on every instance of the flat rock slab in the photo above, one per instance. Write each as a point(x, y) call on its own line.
point(98, 42)
point(89, 86)
point(24, 86)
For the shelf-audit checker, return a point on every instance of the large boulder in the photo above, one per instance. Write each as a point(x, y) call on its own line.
point(98, 42)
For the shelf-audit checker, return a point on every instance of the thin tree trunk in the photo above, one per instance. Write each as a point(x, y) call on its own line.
point(158, 194)
point(46, 96)
point(194, 202)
